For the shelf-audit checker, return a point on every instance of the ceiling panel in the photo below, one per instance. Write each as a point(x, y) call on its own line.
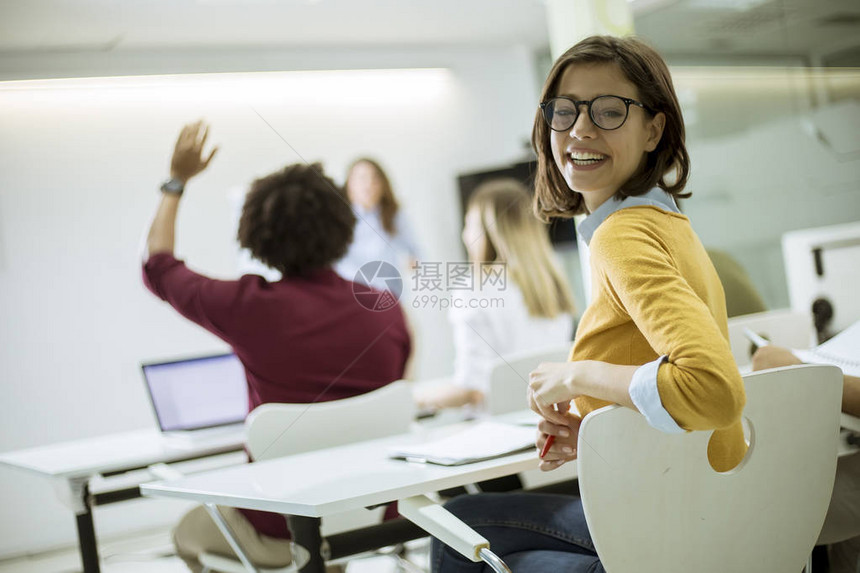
point(814, 30)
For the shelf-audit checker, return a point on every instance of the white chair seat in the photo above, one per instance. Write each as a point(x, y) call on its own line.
point(509, 379)
point(781, 327)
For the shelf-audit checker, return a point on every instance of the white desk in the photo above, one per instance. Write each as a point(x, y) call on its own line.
point(76, 463)
point(316, 484)
point(312, 485)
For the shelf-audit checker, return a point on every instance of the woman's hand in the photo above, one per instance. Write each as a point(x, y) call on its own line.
point(552, 384)
point(447, 396)
point(773, 357)
point(563, 448)
point(187, 158)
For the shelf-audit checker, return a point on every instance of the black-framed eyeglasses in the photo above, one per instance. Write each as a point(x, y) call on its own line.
point(607, 112)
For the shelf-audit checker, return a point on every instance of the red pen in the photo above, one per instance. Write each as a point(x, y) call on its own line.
point(549, 441)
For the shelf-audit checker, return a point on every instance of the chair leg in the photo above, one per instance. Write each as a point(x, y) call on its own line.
point(493, 560)
point(809, 564)
point(230, 536)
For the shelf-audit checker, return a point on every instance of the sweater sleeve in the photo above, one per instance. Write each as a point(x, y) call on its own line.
point(699, 384)
point(205, 301)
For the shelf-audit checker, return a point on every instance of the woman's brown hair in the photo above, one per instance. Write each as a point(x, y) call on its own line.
point(667, 167)
point(296, 220)
point(388, 205)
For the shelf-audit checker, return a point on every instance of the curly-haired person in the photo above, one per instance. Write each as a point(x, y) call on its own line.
point(302, 339)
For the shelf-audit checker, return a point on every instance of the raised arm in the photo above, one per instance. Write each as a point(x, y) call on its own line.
point(187, 162)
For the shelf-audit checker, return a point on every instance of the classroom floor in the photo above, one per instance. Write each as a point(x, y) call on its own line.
point(152, 552)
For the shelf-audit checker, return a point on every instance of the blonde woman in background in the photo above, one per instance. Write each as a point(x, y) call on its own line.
point(533, 310)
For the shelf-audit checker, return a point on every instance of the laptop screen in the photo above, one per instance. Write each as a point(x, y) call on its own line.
point(197, 393)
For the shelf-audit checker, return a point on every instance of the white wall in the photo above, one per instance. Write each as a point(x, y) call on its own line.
point(759, 169)
point(79, 170)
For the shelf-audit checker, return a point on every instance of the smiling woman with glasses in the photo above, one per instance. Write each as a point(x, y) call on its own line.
point(609, 136)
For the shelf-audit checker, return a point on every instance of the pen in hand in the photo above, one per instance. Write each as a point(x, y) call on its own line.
point(550, 440)
point(755, 338)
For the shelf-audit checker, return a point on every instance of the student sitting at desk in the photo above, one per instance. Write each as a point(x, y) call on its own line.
point(536, 310)
point(610, 141)
point(302, 339)
point(841, 530)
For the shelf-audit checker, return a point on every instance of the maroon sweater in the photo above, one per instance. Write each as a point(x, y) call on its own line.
point(300, 339)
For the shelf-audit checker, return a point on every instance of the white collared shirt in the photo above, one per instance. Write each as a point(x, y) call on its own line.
point(371, 242)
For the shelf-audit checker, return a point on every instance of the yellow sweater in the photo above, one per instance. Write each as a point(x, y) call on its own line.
point(654, 293)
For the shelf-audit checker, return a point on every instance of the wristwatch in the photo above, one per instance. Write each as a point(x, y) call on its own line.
point(173, 186)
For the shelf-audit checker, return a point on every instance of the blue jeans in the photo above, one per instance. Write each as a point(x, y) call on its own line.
point(531, 532)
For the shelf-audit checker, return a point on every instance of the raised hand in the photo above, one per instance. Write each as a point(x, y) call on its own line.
point(188, 154)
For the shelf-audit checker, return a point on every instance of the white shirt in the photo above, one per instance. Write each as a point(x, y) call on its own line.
point(371, 242)
point(483, 336)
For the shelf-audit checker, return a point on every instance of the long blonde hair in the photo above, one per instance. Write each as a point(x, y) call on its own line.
point(516, 237)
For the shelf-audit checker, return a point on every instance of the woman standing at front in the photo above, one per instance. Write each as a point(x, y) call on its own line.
point(382, 233)
point(610, 142)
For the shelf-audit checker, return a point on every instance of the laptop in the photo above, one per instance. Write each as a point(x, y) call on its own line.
point(198, 399)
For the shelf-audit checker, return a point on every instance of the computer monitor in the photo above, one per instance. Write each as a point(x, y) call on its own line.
point(197, 393)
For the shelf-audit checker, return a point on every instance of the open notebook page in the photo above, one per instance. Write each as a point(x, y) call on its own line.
point(843, 350)
point(482, 441)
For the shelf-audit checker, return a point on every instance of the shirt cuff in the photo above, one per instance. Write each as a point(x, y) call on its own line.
point(646, 397)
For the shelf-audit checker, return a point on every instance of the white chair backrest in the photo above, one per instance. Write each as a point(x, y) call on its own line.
point(509, 379)
point(654, 504)
point(782, 327)
point(276, 430)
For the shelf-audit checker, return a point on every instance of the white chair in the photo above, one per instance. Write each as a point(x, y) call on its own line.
point(781, 327)
point(276, 430)
point(654, 504)
point(509, 379)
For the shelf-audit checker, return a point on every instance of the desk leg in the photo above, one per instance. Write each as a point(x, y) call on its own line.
point(306, 532)
point(86, 530)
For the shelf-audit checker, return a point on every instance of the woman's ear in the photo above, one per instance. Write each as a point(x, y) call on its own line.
point(655, 131)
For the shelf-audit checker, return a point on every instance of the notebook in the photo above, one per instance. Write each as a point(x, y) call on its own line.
point(843, 350)
point(481, 441)
point(198, 397)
